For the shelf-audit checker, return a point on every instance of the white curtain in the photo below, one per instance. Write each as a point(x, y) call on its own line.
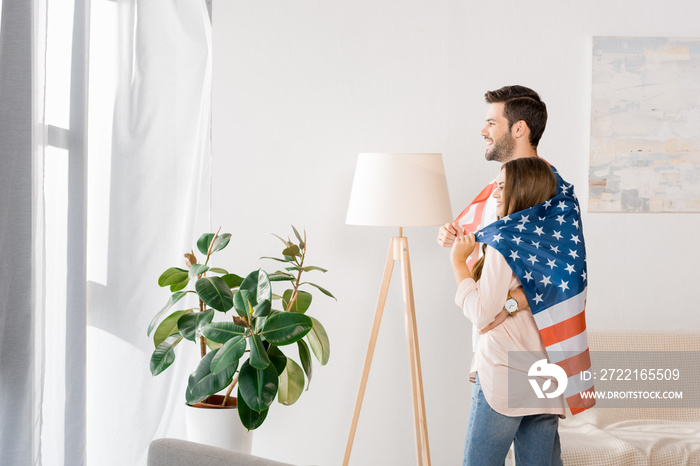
point(148, 191)
point(89, 219)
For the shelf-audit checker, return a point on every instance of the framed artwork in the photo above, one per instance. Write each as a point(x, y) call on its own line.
point(645, 125)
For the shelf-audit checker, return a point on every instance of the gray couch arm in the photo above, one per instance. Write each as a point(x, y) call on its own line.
point(174, 452)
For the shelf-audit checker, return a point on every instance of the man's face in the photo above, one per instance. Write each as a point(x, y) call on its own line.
point(500, 143)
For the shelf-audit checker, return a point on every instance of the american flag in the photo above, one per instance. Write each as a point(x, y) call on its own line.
point(544, 247)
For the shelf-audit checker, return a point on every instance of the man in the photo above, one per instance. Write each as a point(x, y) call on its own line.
point(515, 121)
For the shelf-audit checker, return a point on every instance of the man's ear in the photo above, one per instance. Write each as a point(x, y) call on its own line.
point(519, 129)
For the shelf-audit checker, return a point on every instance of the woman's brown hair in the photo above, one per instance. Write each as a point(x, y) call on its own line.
point(529, 181)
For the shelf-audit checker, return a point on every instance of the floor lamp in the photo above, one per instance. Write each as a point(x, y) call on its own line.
point(399, 190)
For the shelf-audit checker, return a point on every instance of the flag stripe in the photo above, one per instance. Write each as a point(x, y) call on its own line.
point(577, 403)
point(577, 385)
point(564, 330)
point(576, 364)
point(470, 218)
point(574, 345)
point(561, 311)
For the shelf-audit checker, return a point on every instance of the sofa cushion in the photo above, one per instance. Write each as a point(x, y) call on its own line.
point(174, 452)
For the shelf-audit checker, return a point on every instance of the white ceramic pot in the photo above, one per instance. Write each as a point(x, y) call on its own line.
point(217, 426)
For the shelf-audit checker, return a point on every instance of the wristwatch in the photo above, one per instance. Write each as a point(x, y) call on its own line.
point(511, 305)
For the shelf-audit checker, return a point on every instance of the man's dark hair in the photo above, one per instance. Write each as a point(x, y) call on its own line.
point(521, 103)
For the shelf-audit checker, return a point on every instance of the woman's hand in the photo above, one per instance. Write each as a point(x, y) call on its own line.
point(462, 248)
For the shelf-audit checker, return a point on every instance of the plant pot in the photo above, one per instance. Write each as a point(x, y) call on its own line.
point(211, 423)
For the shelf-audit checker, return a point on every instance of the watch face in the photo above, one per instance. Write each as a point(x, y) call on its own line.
point(511, 305)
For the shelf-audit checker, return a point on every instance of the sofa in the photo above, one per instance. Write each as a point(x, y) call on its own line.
point(175, 452)
point(639, 435)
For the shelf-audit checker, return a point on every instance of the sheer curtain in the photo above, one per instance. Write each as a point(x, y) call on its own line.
point(89, 219)
point(148, 191)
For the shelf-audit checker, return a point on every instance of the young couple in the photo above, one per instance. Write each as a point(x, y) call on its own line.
point(513, 211)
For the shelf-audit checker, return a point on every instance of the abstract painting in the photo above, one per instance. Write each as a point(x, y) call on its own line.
point(645, 125)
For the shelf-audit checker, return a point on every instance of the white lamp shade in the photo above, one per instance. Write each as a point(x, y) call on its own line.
point(400, 190)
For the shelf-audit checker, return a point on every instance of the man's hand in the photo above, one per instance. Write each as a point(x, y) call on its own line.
point(500, 318)
point(447, 234)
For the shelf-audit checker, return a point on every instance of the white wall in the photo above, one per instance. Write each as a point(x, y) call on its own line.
point(301, 87)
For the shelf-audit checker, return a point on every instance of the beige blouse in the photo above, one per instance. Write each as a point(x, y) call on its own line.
point(481, 301)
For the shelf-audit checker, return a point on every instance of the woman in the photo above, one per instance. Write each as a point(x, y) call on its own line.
point(482, 293)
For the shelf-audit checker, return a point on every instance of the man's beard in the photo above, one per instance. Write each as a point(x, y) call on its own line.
point(502, 149)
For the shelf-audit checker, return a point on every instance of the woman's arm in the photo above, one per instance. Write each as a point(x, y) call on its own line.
point(481, 301)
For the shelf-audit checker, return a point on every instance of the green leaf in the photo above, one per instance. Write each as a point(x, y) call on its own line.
point(308, 268)
point(213, 345)
point(167, 327)
point(262, 309)
point(215, 293)
point(284, 241)
point(203, 383)
point(286, 328)
point(322, 290)
point(242, 300)
point(264, 290)
point(281, 277)
point(221, 332)
point(221, 242)
point(179, 286)
point(232, 280)
point(257, 387)
point(173, 299)
point(301, 241)
point(258, 355)
point(305, 356)
point(301, 303)
point(251, 419)
point(163, 356)
point(318, 339)
point(190, 324)
point(291, 251)
point(172, 276)
point(286, 259)
point(277, 358)
point(197, 269)
point(291, 384)
point(229, 354)
point(204, 241)
point(219, 270)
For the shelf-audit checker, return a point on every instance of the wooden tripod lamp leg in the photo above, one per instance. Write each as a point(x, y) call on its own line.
point(421, 425)
point(383, 291)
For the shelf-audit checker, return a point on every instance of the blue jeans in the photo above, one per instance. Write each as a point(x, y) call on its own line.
point(490, 434)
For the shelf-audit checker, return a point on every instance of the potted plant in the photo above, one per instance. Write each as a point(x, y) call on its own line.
point(242, 349)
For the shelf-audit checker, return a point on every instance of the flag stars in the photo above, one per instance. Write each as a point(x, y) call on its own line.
point(548, 204)
point(551, 263)
point(538, 298)
point(573, 253)
point(528, 277)
point(564, 285)
point(555, 249)
point(497, 238)
point(562, 205)
point(506, 219)
point(575, 223)
point(532, 259)
point(560, 219)
point(539, 231)
point(542, 219)
point(576, 209)
point(584, 275)
point(521, 227)
point(517, 240)
point(575, 239)
point(536, 244)
point(546, 280)
point(570, 268)
point(557, 234)
point(514, 255)
point(524, 219)
point(564, 188)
